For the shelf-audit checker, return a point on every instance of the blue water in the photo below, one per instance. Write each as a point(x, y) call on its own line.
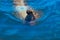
point(48, 27)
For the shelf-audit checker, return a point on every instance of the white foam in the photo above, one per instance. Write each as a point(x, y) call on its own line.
point(21, 8)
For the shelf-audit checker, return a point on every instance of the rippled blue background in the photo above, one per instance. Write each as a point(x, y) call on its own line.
point(47, 29)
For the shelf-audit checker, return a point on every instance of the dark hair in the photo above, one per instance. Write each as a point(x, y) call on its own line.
point(29, 12)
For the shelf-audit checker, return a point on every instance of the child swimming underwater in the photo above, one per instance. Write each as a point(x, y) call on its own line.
point(24, 12)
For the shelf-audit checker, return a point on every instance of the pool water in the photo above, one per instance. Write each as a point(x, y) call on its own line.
point(48, 27)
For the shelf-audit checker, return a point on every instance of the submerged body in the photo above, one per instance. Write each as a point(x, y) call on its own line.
point(23, 14)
